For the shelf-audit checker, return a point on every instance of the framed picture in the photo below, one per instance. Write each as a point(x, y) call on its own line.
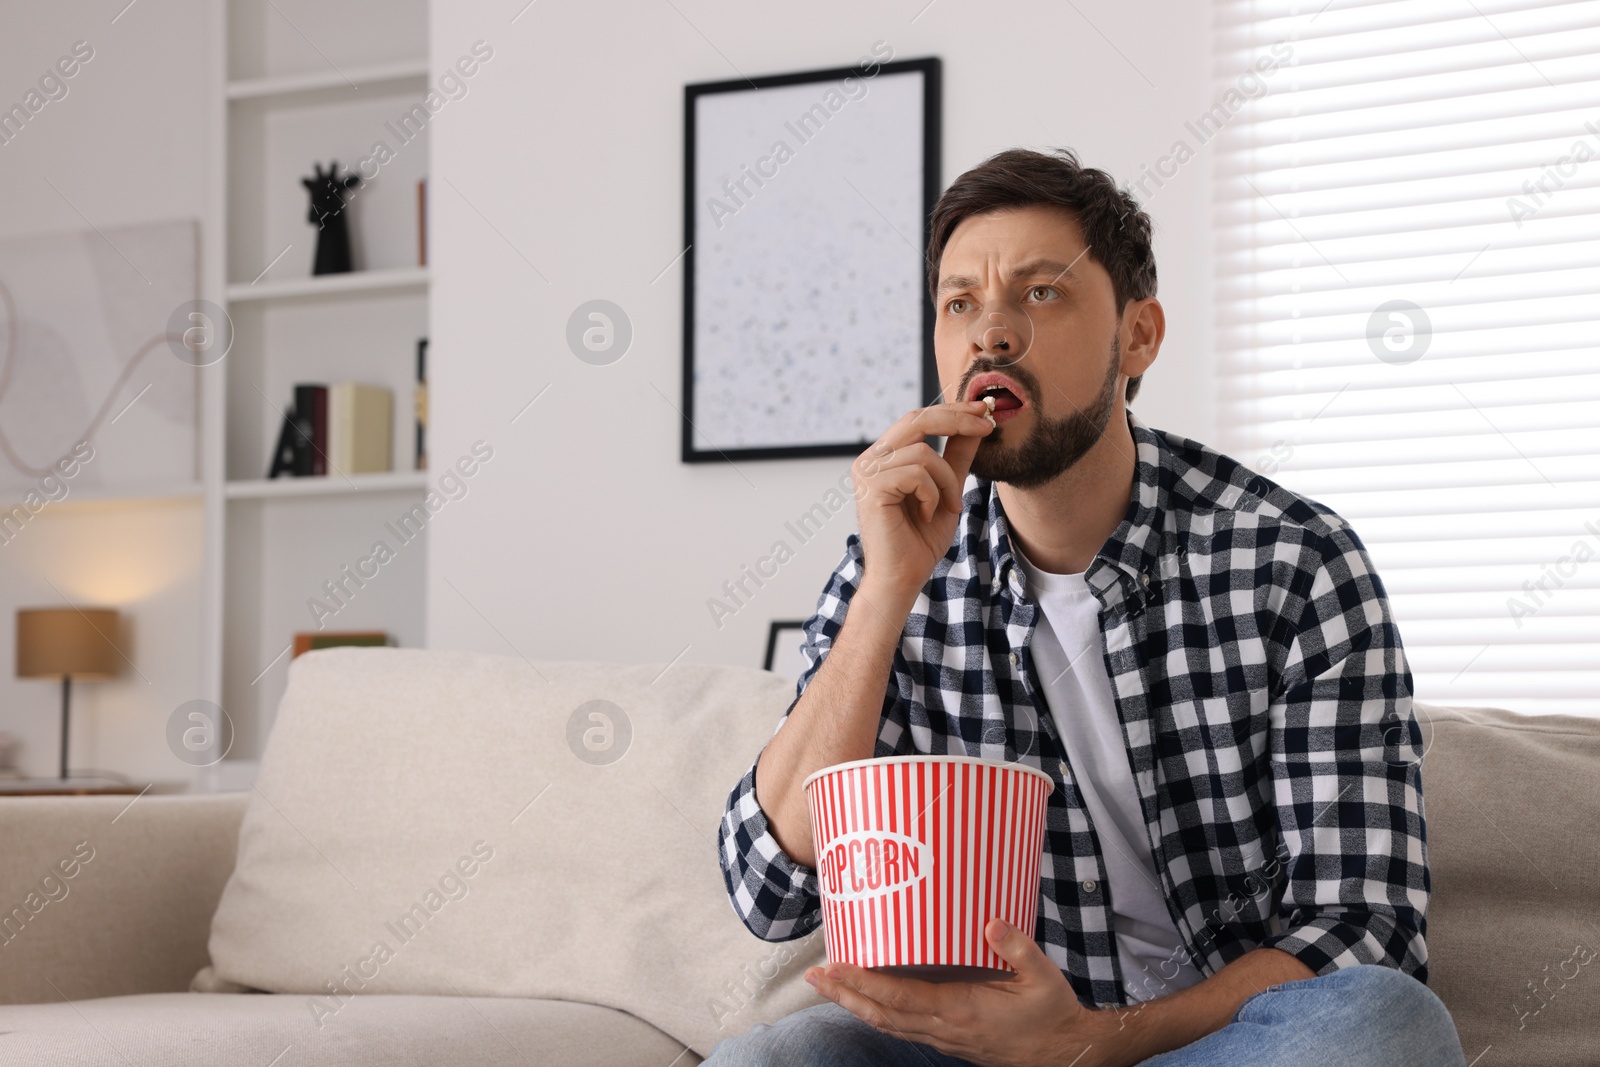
point(784, 640)
point(807, 326)
point(83, 334)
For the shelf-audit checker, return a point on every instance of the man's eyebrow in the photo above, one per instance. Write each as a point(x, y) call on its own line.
point(954, 282)
point(1032, 269)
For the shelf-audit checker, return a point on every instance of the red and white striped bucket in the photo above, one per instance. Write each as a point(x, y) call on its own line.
point(917, 853)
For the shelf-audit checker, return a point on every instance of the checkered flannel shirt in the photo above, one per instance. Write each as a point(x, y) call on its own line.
point(1265, 703)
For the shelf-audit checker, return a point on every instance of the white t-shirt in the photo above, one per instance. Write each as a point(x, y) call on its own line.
point(1067, 654)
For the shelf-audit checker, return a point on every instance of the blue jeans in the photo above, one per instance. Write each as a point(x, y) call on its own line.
point(1368, 1015)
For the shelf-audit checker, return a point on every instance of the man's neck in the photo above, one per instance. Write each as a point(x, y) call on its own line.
point(1061, 525)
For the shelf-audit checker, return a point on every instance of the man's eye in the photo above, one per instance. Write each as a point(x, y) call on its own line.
point(953, 309)
point(1051, 293)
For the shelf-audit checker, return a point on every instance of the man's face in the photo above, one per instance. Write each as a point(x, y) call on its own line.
point(1022, 306)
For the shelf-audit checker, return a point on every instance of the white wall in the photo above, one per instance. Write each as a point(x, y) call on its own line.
point(585, 537)
point(126, 145)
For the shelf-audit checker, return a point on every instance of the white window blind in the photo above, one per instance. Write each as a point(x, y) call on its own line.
point(1408, 327)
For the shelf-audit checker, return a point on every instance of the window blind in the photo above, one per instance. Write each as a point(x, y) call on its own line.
point(1408, 313)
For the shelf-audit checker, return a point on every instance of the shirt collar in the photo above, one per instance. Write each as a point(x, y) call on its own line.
point(1132, 551)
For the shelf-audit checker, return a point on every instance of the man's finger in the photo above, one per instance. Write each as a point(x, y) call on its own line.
point(1021, 951)
point(937, 420)
point(884, 1018)
point(912, 482)
point(901, 994)
point(923, 455)
point(958, 454)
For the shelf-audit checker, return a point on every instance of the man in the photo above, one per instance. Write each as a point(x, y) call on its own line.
point(1235, 866)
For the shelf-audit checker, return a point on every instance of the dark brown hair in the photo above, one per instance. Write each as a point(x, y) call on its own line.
point(1115, 228)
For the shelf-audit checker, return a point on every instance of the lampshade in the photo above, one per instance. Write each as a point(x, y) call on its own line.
point(57, 642)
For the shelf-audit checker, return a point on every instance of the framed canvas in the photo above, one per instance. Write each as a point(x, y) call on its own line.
point(88, 321)
point(807, 326)
point(784, 640)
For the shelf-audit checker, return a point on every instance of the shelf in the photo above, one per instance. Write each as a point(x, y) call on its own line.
point(277, 101)
point(119, 494)
point(324, 285)
point(386, 482)
point(286, 87)
point(332, 485)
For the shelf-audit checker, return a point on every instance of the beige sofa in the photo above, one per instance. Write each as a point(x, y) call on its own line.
point(544, 901)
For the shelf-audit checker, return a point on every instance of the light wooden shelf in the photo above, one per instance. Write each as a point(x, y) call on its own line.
point(331, 485)
point(370, 79)
point(326, 285)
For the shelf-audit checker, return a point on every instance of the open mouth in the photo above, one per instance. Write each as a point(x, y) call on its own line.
point(1006, 394)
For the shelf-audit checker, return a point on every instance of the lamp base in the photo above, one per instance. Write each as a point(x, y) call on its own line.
point(66, 718)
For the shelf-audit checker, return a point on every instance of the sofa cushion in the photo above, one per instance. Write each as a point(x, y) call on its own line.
point(1512, 806)
point(432, 822)
point(206, 1029)
point(132, 916)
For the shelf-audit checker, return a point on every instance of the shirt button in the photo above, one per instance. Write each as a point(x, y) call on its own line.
point(1015, 659)
point(1144, 579)
point(1063, 766)
point(1089, 885)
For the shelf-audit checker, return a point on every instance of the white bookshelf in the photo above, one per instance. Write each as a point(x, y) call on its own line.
point(309, 288)
point(280, 104)
point(98, 496)
point(286, 88)
point(330, 485)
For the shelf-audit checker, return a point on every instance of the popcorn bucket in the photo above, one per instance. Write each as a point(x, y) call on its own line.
point(916, 854)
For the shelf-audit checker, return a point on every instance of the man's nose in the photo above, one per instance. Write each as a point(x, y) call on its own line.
point(1003, 333)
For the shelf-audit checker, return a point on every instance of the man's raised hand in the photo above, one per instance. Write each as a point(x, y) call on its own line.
point(908, 497)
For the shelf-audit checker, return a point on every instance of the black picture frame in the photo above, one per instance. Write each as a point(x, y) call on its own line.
point(932, 107)
point(778, 628)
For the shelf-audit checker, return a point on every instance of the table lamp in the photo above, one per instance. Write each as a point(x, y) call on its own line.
point(67, 643)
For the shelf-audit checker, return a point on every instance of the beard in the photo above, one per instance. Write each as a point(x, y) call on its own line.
point(1054, 445)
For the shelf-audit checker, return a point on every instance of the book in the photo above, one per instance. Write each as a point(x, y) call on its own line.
point(319, 430)
point(283, 456)
point(311, 422)
point(422, 223)
point(308, 641)
point(420, 401)
point(360, 418)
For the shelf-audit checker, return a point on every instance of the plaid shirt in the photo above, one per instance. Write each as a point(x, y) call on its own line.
point(1266, 708)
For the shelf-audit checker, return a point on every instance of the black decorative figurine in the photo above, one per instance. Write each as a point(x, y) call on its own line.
point(327, 214)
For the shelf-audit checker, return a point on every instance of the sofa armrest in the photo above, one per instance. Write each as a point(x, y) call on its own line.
point(100, 897)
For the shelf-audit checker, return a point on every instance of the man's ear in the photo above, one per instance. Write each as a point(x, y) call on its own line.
point(1144, 324)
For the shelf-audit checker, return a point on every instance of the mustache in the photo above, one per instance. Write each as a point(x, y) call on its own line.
point(1023, 378)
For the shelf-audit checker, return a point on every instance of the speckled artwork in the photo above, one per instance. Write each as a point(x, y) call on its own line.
point(808, 276)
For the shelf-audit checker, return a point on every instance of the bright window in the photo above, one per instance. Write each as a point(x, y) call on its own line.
point(1408, 210)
